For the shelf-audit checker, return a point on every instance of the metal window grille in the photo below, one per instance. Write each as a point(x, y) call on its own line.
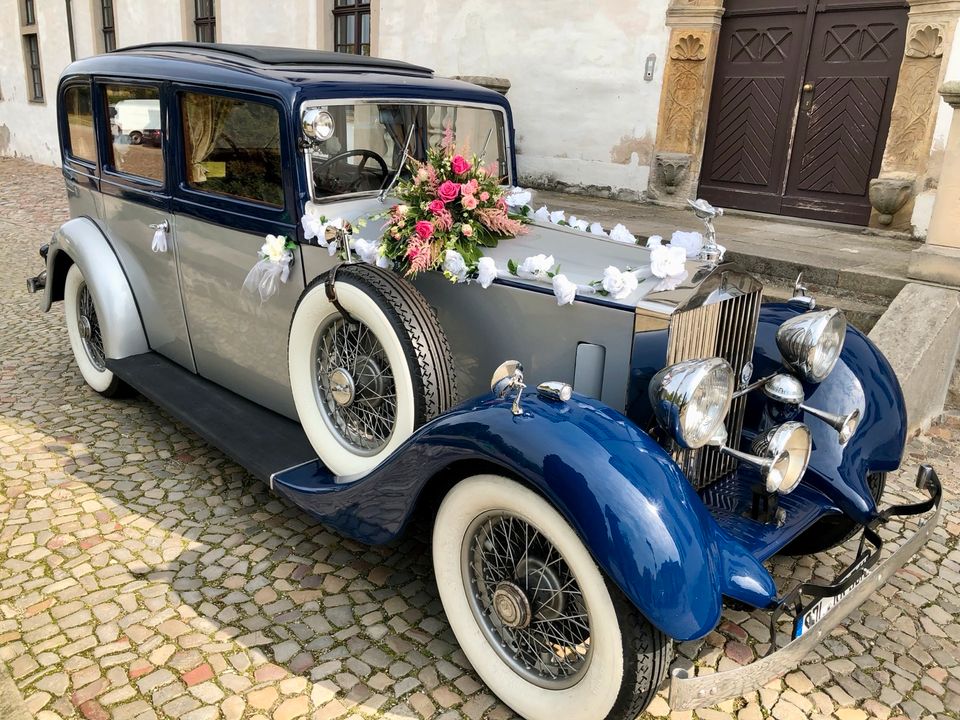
point(351, 26)
point(107, 26)
point(35, 76)
point(205, 20)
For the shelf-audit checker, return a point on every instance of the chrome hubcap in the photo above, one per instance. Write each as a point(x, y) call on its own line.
point(89, 327)
point(511, 605)
point(341, 387)
point(85, 330)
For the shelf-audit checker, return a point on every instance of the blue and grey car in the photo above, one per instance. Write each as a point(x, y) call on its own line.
point(603, 477)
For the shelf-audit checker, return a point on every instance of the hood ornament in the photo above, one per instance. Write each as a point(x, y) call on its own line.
point(711, 252)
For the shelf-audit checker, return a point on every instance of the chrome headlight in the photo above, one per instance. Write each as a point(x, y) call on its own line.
point(692, 398)
point(811, 343)
point(785, 452)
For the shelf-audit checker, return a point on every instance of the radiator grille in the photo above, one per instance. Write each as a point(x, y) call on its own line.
point(726, 329)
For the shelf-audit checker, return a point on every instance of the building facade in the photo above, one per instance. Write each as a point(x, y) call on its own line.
point(821, 109)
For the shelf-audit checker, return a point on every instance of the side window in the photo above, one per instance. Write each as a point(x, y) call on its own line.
point(232, 147)
point(136, 130)
point(78, 111)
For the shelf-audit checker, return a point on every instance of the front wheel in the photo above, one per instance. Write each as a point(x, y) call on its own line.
point(532, 611)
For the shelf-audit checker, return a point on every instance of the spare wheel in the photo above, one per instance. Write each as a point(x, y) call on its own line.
point(364, 381)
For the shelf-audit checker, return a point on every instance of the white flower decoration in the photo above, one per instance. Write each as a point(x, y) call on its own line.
point(366, 250)
point(564, 290)
point(274, 249)
point(691, 242)
point(537, 265)
point(558, 216)
point(577, 223)
point(518, 197)
point(654, 241)
point(597, 229)
point(543, 215)
point(454, 264)
point(621, 234)
point(618, 284)
point(667, 261)
point(486, 272)
point(382, 260)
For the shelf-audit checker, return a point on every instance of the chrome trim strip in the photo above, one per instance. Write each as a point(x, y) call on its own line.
point(688, 693)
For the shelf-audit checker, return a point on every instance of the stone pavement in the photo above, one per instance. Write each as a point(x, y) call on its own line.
point(143, 575)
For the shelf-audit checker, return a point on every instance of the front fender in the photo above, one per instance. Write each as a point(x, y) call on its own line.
point(862, 379)
point(80, 241)
point(625, 497)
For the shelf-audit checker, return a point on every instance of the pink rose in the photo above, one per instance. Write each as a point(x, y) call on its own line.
point(436, 206)
point(502, 204)
point(469, 188)
point(469, 202)
point(467, 231)
point(423, 228)
point(459, 164)
point(448, 191)
point(484, 196)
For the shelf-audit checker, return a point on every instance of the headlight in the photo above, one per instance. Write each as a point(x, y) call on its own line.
point(785, 452)
point(692, 398)
point(811, 343)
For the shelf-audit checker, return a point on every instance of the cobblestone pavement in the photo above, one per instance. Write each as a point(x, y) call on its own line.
point(144, 575)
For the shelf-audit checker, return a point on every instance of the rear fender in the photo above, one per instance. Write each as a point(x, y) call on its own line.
point(624, 496)
point(80, 241)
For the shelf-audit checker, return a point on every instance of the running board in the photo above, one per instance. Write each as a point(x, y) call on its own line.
point(260, 440)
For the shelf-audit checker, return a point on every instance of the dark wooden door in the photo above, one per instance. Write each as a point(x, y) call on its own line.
point(801, 105)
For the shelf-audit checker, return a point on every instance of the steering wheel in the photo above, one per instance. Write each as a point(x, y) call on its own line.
point(324, 176)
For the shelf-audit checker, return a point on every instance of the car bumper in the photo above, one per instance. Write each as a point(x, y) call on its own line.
point(686, 693)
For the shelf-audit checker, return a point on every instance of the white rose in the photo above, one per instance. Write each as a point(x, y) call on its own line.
point(274, 248)
point(486, 271)
point(402, 210)
point(537, 265)
point(654, 241)
point(543, 215)
point(621, 234)
point(691, 242)
point(618, 284)
point(564, 290)
point(518, 197)
point(454, 264)
point(667, 261)
point(313, 226)
point(558, 216)
point(366, 250)
point(577, 224)
point(597, 229)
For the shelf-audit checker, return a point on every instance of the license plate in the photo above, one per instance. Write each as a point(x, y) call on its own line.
point(816, 612)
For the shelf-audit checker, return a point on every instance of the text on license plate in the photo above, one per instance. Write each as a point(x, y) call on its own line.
point(816, 612)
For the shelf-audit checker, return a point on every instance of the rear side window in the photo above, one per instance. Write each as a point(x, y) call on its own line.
point(78, 111)
point(232, 147)
point(136, 130)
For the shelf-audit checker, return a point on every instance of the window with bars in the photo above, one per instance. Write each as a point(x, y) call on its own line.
point(351, 26)
point(205, 20)
point(31, 50)
point(107, 29)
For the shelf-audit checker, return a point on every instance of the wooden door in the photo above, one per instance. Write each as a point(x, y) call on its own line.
point(801, 105)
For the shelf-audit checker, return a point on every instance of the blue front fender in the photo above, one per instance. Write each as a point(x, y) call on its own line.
point(625, 497)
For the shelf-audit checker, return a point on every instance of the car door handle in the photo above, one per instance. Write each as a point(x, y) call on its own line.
point(164, 226)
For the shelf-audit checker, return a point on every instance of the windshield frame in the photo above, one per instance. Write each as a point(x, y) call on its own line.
point(322, 102)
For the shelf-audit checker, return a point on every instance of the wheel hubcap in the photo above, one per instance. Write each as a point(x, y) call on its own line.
point(511, 605)
point(341, 387)
point(88, 326)
point(85, 331)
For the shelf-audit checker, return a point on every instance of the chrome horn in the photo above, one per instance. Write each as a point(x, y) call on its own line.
point(787, 389)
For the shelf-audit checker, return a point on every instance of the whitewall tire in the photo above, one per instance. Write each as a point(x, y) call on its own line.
point(86, 336)
point(363, 384)
point(534, 614)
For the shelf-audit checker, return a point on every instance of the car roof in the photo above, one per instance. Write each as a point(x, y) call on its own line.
point(289, 72)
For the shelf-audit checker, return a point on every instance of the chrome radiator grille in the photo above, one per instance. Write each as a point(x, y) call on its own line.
point(726, 329)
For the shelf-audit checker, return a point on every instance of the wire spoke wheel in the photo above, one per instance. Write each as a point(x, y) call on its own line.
point(89, 324)
point(527, 600)
point(355, 385)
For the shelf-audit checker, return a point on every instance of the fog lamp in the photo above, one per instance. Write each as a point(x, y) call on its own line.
point(785, 452)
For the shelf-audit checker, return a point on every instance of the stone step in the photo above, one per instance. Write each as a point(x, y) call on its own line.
point(862, 311)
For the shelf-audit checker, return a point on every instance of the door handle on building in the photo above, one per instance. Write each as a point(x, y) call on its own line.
point(806, 102)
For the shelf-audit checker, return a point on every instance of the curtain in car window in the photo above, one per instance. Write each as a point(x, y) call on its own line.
point(204, 116)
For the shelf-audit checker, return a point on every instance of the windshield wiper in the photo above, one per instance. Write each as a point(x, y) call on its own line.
point(403, 161)
point(483, 152)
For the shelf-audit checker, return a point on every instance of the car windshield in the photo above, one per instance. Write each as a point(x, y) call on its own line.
point(368, 141)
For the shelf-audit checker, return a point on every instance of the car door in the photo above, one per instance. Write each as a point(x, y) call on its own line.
point(134, 183)
point(232, 158)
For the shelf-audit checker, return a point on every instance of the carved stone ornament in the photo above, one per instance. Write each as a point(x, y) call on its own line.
point(925, 41)
point(670, 169)
point(890, 193)
point(689, 47)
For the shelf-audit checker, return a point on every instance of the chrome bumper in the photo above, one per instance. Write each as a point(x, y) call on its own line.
point(687, 693)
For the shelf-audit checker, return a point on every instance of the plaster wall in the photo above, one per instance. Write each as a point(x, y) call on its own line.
point(584, 114)
point(141, 22)
point(255, 21)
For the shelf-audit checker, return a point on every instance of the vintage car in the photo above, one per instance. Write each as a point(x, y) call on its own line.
point(673, 439)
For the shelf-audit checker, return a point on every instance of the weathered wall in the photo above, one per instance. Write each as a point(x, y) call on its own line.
point(584, 114)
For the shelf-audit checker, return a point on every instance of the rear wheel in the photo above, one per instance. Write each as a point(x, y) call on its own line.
point(533, 613)
point(86, 336)
point(136, 137)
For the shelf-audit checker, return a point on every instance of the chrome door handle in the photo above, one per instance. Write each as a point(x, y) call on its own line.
point(165, 226)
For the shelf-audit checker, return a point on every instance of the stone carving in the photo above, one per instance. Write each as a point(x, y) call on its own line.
point(689, 47)
point(925, 41)
point(913, 114)
point(670, 169)
point(890, 193)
